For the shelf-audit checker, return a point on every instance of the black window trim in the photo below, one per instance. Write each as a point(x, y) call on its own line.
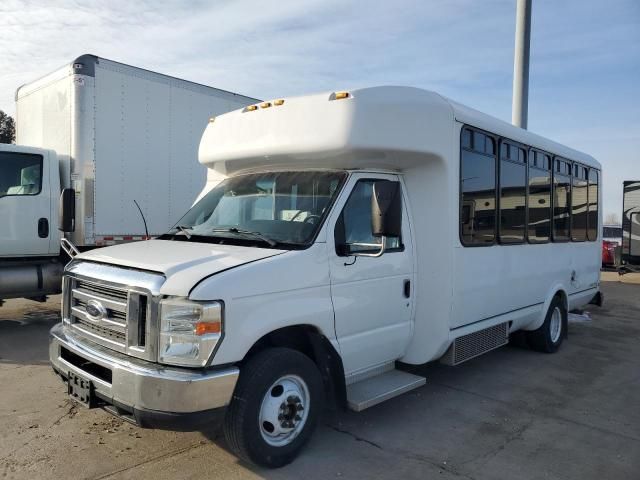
point(554, 172)
point(340, 219)
point(589, 169)
point(498, 141)
point(496, 157)
point(550, 172)
point(573, 177)
point(504, 140)
point(41, 175)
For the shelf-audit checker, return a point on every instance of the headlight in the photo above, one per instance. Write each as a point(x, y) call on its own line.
point(189, 331)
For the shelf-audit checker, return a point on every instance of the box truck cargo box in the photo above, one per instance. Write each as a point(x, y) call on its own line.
point(115, 135)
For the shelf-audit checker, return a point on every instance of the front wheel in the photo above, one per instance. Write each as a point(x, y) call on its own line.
point(275, 407)
point(549, 336)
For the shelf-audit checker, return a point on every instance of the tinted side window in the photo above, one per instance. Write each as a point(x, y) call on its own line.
point(561, 201)
point(478, 190)
point(540, 200)
point(354, 226)
point(20, 174)
point(513, 194)
point(592, 225)
point(579, 204)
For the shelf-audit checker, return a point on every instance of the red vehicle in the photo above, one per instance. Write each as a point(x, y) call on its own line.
point(611, 238)
point(608, 253)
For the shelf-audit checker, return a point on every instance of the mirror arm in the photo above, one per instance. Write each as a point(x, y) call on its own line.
point(383, 249)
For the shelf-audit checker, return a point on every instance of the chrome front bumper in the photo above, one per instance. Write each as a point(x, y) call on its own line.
point(139, 386)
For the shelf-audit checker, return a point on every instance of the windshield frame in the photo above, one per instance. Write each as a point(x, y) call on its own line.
point(244, 240)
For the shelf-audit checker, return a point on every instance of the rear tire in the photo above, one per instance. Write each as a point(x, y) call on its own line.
point(275, 407)
point(549, 336)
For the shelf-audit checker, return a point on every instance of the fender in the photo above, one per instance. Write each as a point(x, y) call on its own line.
point(558, 287)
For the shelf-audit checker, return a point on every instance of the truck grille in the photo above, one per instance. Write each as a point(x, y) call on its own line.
point(114, 307)
point(110, 316)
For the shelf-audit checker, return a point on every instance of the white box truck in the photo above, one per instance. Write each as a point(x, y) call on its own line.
point(355, 230)
point(107, 134)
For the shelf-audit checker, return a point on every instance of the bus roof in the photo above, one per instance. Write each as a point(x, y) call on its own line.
point(376, 127)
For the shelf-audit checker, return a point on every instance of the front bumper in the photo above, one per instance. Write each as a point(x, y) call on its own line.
point(150, 394)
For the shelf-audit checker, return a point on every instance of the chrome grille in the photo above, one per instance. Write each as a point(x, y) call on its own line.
point(110, 292)
point(124, 306)
point(111, 329)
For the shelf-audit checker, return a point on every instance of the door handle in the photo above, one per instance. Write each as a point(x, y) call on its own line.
point(407, 288)
point(43, 228)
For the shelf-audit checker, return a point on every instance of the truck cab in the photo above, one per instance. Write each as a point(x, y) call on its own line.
point(29, 239)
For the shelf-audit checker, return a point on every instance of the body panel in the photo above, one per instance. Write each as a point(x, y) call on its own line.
point(122, 134)
point(275, 292)
point(183, 263)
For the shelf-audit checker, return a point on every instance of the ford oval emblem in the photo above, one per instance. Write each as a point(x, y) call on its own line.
point(95, 310)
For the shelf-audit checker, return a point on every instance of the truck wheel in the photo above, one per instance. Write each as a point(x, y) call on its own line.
point(274, 408)
point(549, 336)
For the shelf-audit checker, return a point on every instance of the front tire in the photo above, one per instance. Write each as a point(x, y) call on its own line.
point(275, 407)
point(549, 336)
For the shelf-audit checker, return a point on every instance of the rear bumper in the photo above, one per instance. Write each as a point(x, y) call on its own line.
point(146, 393)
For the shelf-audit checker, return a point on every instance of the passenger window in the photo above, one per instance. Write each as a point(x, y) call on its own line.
point(579, 204)
point(513, 194)
point(561, 201)
point(353, 229)
point(539, 198)
point(592, 226)
point(478, 191)
point(20, 174)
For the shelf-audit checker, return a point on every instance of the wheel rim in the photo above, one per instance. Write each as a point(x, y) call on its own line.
point(555, 325)
point(284, 410)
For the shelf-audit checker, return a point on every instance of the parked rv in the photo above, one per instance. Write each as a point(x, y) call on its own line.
point(355, 230)
point(631, 224)
point(117, 141)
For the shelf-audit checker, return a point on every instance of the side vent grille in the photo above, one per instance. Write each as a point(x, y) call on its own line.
point(469, 346)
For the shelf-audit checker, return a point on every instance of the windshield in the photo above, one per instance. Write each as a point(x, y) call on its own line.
point(275, 208)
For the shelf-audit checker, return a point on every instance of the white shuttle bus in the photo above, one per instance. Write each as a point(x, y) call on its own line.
point(355, 232)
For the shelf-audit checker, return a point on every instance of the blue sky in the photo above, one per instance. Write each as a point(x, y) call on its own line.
point(585, 55)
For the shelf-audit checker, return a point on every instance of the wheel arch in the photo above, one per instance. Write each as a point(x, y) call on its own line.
point(557, 290)
point(309, 340)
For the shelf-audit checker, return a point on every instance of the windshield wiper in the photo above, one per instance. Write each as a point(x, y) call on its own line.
point(184, 230)
point(258, 235)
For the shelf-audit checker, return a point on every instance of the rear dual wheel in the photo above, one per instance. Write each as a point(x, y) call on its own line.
point(275, 407)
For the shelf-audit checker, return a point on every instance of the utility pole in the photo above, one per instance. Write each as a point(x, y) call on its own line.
point(520, 103)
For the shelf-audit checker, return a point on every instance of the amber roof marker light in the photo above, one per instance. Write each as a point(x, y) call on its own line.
point(339, 96)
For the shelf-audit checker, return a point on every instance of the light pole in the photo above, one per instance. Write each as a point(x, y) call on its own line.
point(520, 103)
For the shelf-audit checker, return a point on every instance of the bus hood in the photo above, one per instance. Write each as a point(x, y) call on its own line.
point(183, 263)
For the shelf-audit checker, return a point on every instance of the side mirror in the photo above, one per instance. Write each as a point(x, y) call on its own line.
point(386, 209)
point(67, 210)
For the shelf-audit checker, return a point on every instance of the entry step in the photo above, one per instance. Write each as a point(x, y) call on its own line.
point(374, 390)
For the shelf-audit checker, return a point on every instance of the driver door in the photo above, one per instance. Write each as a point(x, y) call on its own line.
point(25, 204)
point(372, 296)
